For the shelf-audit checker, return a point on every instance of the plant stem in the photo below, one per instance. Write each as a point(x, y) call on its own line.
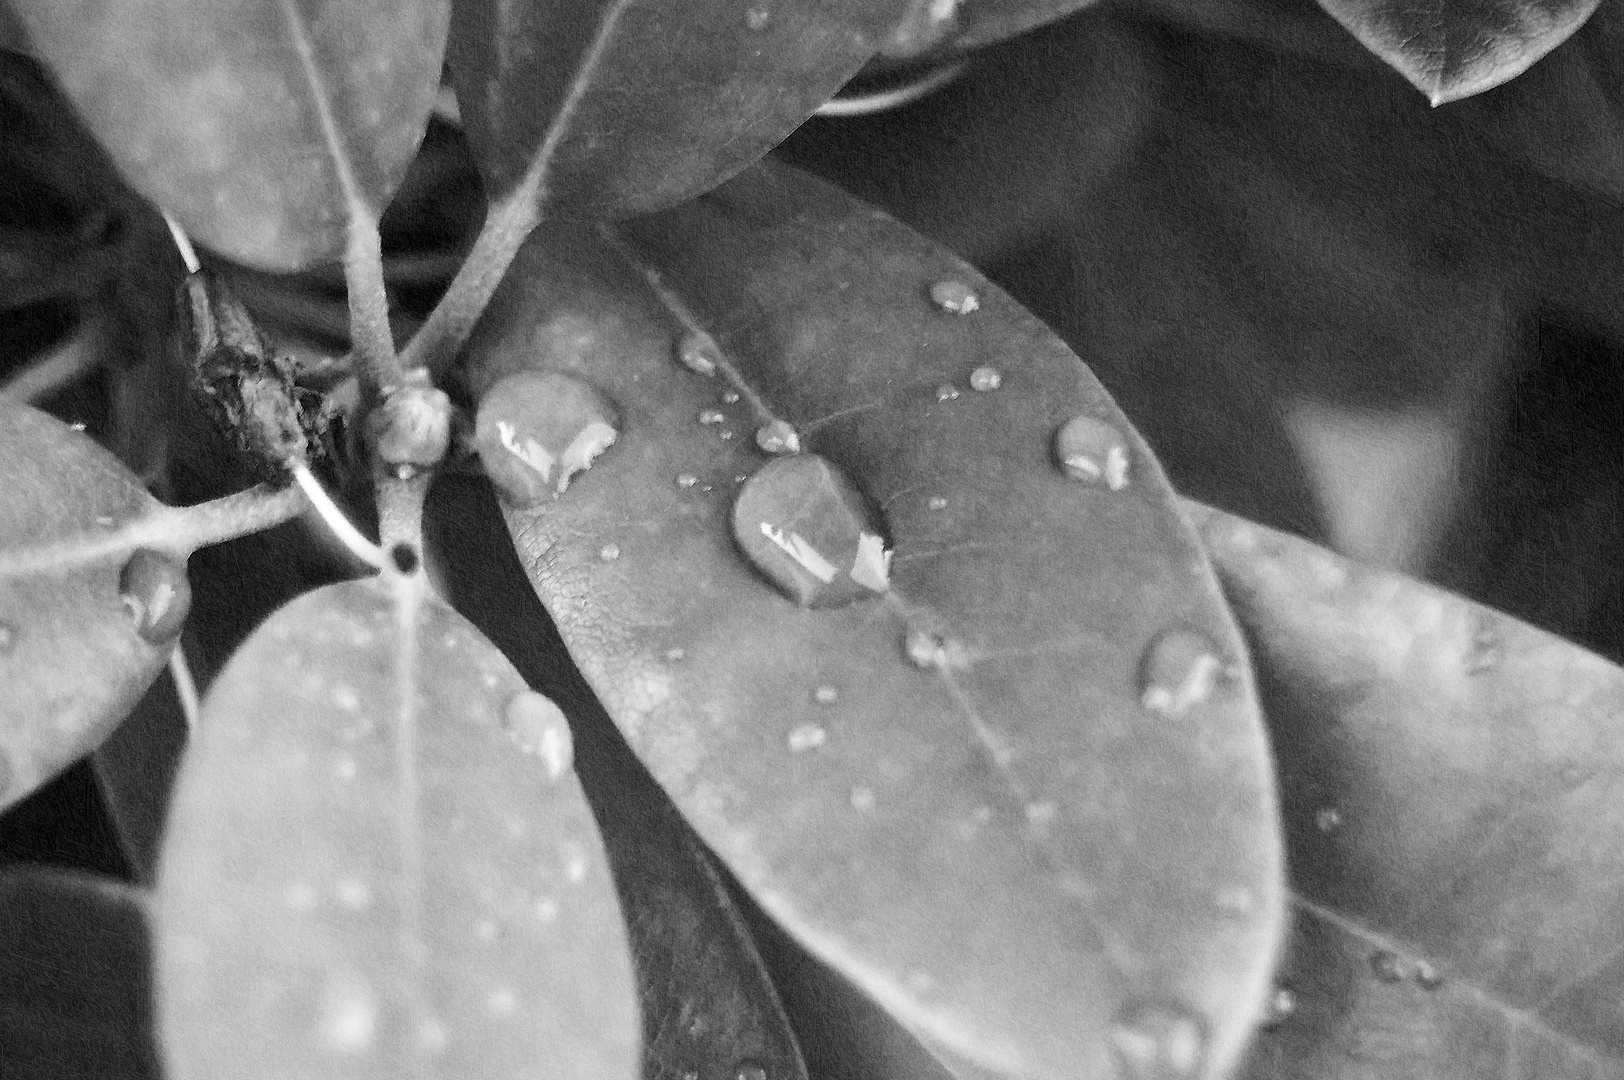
point(230, 516)
point(66, 363)
point(400, 514)
point(507, 224)
point(185, 686)
point(348, 534)
point(369, 303)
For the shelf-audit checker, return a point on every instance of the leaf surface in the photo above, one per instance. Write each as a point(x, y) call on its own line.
point(75, 997)
point(983, 790)
point(72, 660)
point(616, 107)
point(378, 862)
point(256, 124)
point(1449, 779)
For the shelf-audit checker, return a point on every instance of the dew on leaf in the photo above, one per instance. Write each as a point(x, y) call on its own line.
point(538, 727)
point(1427, 976)
point(955, 297)
point(984, 380)
point(937, 503)
point(156, 594)
point(826, 695)
point(758, 18)
point(1092, 451)
point(801, 522)
point(502, 1002)
point(1158, 1041)
point(749, 1070)
point(8, 637)
point(1180, 671)
point(354, 893)
point(1328, 820)
point(546, 909)
point(946, 392)
point(930, 651)
point(349, 1012)
point(778, 437)
point(712, 416)
point(862, 799)
point(686, 480)
point(1278, 1009)
point(730, 397)
point(807, 737)
point(676, 655)
point(536, 430)
point(699, 352)
point(609, 552)
point(1387, 966)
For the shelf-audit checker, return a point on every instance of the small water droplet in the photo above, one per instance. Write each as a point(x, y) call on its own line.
point(156, 594)
point(431, 1036)
point(1485, 649)
point(77, 425)
point(937, 503)
point(609, 552)
point(686, 480)
point(778, 437)
point(1387, 965)
point(300, 896)
point(1235, 898)
point(712, 416)
point(826, 695)
point(1042, 814)
point(1179, 672)
point(346, 698)
point(699, 352)
point(1157, 1041)
point(1328, 820)
point(758, 18)
point(502, 1002)
point(807, 737)
point(862, 799)
point(538, 727)
point(349, 1012)
point(535, 430)
point(676, 655)
point(931, 651)
point(946, 392)
point(1428, 977)
point(802, 523)
point(8, 779)
point(730, 397)
point(1278, 1009)
point(487, 930)
point(8, 637)
point(1092, 451)
point(575, 866)
point(984, 380)
point(955, 297)
point(546, 909)
point(353, 893)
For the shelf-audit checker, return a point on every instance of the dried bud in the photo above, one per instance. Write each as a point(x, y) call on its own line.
point(411, 427)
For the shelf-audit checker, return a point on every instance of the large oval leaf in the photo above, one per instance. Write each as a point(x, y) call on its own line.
point(622, 106)
point(72, 661)
point(256, 124)
point(1450, 779)
point(365, 873)
point(1019, 792)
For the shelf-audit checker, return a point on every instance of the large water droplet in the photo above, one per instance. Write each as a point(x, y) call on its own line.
point(803, 524)
point(954, 296)
point(1387, 965)
point(1157, 1041)
point(699, 352)
point(1092, 451)
point(155, 592)
point(984, 380)
point(537, 429)
point(778, 437)
point(538, 727)
point(1180, 671)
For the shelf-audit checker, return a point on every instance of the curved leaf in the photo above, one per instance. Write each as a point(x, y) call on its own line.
point(72, 662)
point(1019, 793)
point(256, 124)
point(74, 984)
point(1452, 49)
point(616, 107)
point(364, 872)
point(1450, 781)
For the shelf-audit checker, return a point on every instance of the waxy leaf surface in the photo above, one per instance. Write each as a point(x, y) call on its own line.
point(1450, 780)
point(1016, 786)
point(256, 123)
point(375, 868)
point(72, 660)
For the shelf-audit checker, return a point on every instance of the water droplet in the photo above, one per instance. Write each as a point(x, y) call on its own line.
point(862, 799)
point(954, 296)
point(349, 1012)
point(937, 503)
point(1328, 820)
point(1180, 671)
point(8, 779)
point(984, 380)
point(346, 698)
point(802, 523)
point(538, 727)
point(807, 737)
point(574, 864)
point(712, 416)
point(546, 909)
point(1278, 1009)
point(300, 896)
point(8, 637)
point(1485, 649)
point(609, 552)
point(502, 1002)
point(730, 397)
point(946, 392)
point(699, 352)
point(353, 893)
point(1235, 898)
point(1092, 451)
point(535, 430)
point(1155, 1041)
point(1042, 814)
point(725, 434)
point(778, 437)
point(156, 594)
point(826, 695)
point(931, 651)
point(686, 480)
point(77, 425)
point(758, 18)
point(676, 655)
point(1387, 965)
point(1428, 977)
point(487, 930)
point(431, 1035)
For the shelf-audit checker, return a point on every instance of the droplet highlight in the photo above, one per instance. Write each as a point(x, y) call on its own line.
point(806, 737)
point(1092, 451)
point(984, 380)
point(698, 352)
point(1328, 820)
point(730, 397)
point(1278, 1009)
point(955, 297)
point(686, 480)
point(712, 416)
point(537, 726)
point(826, 695)
point(803, 524)
point(749, 1070)
point(1158, 1041)
point(931, 651)
point(1427, 976)
point(536, 430)
point(778, 437)
point(1387, 966)
point(937, 503)
point(609, 552)
point(758, 18)
point(156, 594)
point(946, 392)
point(349, 1012)
point(1180, 671)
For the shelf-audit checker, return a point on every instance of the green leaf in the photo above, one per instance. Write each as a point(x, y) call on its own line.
point(77, 650)
point(1450, 780)
point(379, 863)
point(1456, 48)
point(1016, 786)
point(260, 126)
point(616, 107)
point(75, 995)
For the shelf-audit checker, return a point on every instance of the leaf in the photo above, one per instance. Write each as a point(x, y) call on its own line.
point(931, 29)
point(1450, 783)
point(1449, 49)
point(618, 107)
point(948, 787)
point(364, 872)
point(74, 984)
point(257, 125)
point(72, 660)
